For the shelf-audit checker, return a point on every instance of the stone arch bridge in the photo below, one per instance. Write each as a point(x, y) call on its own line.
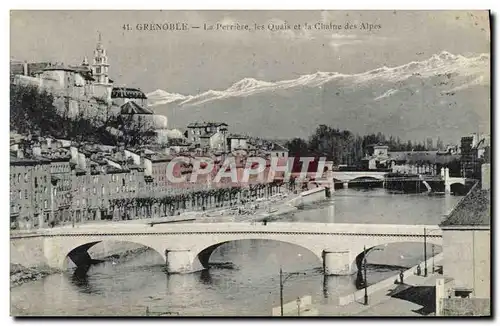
point(187, 247)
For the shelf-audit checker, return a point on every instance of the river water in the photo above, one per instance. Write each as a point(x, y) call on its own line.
point(244, 275)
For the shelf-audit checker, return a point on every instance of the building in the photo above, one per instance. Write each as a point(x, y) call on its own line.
point(122, 95)
point(376, 158)
point(197, 129)
point(278, 150)
point(81, 89)
point(213, 140)
point(474, 151)
point(466, 255)
point(237, 142)
point(30, 193)
point(61, 179)
point(100, 66)
point(143, 118)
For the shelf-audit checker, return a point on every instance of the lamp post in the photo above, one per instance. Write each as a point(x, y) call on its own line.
point(364, 269)
point(365, 281)
point(282, 281)
point(425, 252)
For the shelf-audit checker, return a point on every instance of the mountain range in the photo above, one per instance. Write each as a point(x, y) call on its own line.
point(445, 95)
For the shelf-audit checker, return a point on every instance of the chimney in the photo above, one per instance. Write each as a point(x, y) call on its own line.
point(82, 163)
point(37, 150)
point(25, 68)
point(74, 154)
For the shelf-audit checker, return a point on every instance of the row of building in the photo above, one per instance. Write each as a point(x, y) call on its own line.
point(473, 151)
point(55, 181)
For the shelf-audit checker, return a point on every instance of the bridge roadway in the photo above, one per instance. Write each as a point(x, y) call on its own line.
point(187, 247)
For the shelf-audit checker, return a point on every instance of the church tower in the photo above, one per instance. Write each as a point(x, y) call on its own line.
point(100, 66)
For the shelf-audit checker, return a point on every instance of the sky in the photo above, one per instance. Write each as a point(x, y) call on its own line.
point(196, 60)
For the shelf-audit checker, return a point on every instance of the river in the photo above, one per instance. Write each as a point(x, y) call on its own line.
point(244, 275)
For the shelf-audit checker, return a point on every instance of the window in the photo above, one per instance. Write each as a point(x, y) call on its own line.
point(45, 204)
point(19, 177)
point(36, 182)
point(78, 203)
point(25, 177)
point(25, 194)
point(45, 190)
point(123, 182)
point(84, 202)
point(94, 191)
point(103, 191)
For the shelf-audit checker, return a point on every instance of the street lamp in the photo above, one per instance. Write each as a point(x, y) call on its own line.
point(365, 281)
point(425, 254)
point(282, 281)
point(364, 268)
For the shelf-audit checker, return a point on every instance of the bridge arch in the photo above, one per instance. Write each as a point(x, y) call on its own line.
point(80, 257)
point(202, 254)
point(360, 253)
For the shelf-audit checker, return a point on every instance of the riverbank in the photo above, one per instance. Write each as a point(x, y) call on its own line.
point(383, 293)
point(20, 274)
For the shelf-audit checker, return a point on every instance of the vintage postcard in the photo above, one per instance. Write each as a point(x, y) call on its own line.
point(250, 163)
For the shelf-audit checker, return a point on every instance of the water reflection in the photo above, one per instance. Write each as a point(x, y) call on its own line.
point(80, 280)
point(205, 277)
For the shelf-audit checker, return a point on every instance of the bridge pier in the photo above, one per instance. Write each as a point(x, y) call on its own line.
point(337, 262)
point(345, 185)
point(179, 261)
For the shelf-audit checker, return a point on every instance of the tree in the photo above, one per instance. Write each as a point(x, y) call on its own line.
point(32, 111)
point(297, 147)
point(132, 129)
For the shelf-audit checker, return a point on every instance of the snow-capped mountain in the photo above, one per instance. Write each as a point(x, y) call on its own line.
point(443, 63)
point(445, 91)
point(160, 97)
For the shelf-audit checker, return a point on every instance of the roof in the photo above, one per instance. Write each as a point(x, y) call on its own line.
point(27, 161)
point(473, 210)
point(133, 108)
point(208, 135)
point(17, 68)
point(126, 92)
point(206, 124)
point(279, 147)
point(234, 136)
point(86, 73)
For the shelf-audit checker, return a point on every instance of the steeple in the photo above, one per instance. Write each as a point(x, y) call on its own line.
point(100, 65)
point(85, 62)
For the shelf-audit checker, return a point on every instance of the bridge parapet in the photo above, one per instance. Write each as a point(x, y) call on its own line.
point(242, 227)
